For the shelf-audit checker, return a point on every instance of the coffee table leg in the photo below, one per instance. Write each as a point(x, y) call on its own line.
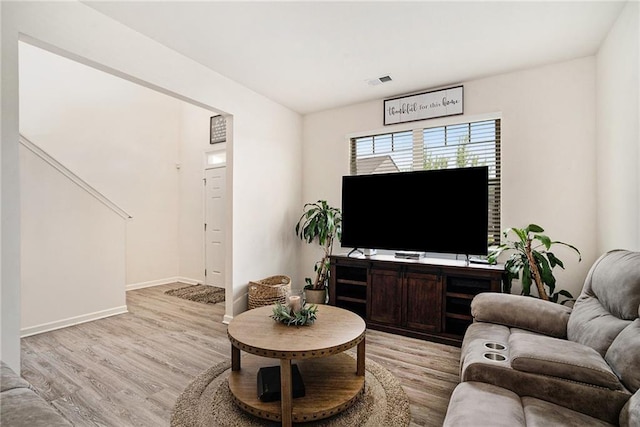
point(286, 392)
point(360, 363)
point(235, 358)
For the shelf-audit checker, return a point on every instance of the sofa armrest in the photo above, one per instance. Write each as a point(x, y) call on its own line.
point(9, 379)
point(21, 406)
point(522, 312)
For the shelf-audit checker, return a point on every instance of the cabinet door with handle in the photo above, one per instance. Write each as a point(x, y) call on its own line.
point(423, 309)
point(385, 296)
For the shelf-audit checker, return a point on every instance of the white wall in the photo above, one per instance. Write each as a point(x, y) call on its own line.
point(127, 141)
point(618, 134)
point(72, 252)
point(120, 137)
point(263, 160)
point(548, 153)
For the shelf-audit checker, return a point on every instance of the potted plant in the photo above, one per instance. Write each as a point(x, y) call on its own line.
point(532, 262)
point(320, 223)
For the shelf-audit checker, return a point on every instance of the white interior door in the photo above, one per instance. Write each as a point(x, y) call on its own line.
point(215, 226)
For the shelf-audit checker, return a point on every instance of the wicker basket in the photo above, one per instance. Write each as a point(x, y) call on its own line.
point(269, 291)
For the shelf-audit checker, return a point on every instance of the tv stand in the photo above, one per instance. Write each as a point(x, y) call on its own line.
point(423, 298)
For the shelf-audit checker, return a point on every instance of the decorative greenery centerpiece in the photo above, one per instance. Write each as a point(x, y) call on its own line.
point(532, 262)
point(284, 314)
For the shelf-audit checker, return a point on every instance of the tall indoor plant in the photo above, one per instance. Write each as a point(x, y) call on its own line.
point(321, 223)
point(532, 262)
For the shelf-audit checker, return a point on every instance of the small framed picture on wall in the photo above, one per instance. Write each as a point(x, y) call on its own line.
point(218, 130)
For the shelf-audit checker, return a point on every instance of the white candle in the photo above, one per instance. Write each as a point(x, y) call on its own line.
point(295, 303)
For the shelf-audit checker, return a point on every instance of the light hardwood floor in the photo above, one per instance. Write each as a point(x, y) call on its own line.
point(128, 370)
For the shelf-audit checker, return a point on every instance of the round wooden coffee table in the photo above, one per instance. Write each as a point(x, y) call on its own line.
point(333, 380)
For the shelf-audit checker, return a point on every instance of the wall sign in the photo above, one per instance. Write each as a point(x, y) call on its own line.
point(218, 129)
point(426, 105)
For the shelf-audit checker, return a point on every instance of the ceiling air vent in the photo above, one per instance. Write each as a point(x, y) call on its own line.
point(379, 80)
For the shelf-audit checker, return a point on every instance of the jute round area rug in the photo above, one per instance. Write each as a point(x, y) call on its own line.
point(207, 402)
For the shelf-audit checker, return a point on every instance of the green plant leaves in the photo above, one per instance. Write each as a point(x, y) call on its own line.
point(546, 241)
point(533, 228)
point(564, 294)
point(322, 223)
point(319, 221)
point(518, 265)
point(522, 234)
point(554, 261)
point(305, 316)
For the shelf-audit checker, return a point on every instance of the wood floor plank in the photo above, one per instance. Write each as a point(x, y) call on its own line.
point(128, 370)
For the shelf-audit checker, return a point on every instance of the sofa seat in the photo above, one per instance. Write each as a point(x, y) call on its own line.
point(480, 404)
point(539, 366)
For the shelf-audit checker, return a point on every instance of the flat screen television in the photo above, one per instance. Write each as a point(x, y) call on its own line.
point(443, 211)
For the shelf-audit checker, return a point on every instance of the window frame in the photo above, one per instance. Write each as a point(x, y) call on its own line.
point(419, 156)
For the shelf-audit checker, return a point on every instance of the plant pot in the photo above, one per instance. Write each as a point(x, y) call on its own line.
point(315, 296)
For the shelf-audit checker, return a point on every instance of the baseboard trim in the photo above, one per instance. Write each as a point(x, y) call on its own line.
point(239, 302)
point(59, 324)
point(166, 281)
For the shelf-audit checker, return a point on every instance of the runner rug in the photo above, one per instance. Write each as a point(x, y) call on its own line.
point(199, 293)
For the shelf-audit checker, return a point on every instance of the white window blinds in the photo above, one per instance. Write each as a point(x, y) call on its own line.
point(443, 147)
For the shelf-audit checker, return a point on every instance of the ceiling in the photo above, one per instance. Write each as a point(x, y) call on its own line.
point(313, 56)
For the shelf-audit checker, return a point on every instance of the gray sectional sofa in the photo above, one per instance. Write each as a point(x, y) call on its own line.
point(526, 362)
point(20, 406)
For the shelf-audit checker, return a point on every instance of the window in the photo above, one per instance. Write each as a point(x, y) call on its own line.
point(443, 147)
point(391, 152)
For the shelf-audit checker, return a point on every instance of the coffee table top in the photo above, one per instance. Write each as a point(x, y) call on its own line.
point(334, 331)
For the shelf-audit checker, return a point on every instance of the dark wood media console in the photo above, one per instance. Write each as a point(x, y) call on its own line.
point(427, 298)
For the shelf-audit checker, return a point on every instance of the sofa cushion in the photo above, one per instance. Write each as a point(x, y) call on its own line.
point(23, 407)
point(630, 413)
point(475, 404)
point(624, 356)
point(480, 404)
point(539, 413)
point(609, 300)
point(9, 379)
point(591, 324)
point(616, 283)
point(559, 358)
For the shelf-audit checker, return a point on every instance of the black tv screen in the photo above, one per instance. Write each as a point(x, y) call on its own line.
point(444, 211)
